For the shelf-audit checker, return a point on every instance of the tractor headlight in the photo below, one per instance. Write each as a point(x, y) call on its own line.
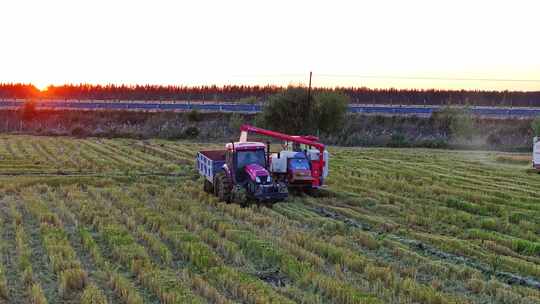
point(269, 179)
point(257, 179)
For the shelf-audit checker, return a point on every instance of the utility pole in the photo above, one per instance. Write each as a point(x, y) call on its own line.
point(309, 89)
point(309, 100)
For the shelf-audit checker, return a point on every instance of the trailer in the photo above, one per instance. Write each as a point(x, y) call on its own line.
point(209, 163)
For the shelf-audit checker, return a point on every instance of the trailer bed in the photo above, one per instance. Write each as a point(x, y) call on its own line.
point(210, 162)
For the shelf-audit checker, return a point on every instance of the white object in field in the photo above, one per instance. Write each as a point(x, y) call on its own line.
point(313, 154)
point(536, 152)
point(278, 161)
point(243, 136)
point(326, 156)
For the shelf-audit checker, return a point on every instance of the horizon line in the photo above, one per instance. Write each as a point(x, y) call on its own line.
point(281, 86)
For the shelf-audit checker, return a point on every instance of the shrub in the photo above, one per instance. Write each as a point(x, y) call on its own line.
point(172, 132)
point(292, 111)
point(398, 140)
point(235, 122)
point(288, 111)
point(535, 126)
point(458, 123)
point(29, 110)
point(191, 132)
point(259, 121)
point(330, 110)
point(78, 131)
point(494, 140)
point(194, 116)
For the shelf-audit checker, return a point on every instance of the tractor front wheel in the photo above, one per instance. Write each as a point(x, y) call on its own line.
point(223, 188)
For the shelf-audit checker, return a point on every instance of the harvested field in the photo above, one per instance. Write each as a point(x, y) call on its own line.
point(127, 221)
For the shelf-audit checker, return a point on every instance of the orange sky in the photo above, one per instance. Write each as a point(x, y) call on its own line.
point(278, 42)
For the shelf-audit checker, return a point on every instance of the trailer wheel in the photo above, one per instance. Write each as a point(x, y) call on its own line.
point(215, 185)
point(208, 187)
point(224, 188)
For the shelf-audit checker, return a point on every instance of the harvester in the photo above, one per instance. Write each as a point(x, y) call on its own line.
point(248, 171)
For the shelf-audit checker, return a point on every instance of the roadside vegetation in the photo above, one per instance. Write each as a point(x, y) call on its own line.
point(535, 126)
point(127, 221)
point(452, 128)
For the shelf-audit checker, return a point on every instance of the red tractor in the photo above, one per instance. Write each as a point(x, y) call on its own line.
point(247, 171)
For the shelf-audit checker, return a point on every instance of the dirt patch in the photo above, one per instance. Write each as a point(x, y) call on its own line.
point(274, 278)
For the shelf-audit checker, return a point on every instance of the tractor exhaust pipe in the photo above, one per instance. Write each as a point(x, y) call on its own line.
point(268, 156)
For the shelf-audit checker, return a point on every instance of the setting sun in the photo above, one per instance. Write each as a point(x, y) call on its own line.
point(41, 86)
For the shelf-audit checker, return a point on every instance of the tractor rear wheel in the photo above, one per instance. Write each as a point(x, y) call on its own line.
point(216, 185)
point(208, 187)
point(224, 187)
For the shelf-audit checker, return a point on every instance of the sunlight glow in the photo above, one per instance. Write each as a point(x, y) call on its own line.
point(279, 42)
point(41, 86)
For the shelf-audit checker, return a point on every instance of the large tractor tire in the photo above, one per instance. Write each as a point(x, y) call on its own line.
point(224, 187)
point(216, 185)
point(208, 187)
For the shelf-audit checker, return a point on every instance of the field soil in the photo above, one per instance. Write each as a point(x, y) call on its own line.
point(99, 220)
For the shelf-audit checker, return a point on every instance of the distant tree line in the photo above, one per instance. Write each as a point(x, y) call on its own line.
point(262, 93)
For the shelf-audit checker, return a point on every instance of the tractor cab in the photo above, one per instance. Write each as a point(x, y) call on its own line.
point(245, 159)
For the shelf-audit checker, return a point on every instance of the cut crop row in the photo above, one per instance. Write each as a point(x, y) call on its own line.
point(204, 260)
point(62, 258)
point(125, 250)
point(24, 260)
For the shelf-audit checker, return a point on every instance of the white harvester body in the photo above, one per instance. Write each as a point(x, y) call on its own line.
point(536, 153)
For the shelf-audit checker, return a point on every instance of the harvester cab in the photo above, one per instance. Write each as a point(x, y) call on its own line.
point(292, 167)
point(304, 157)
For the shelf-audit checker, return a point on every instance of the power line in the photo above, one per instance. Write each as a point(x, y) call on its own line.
point(431, 78)
point(390, 77)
